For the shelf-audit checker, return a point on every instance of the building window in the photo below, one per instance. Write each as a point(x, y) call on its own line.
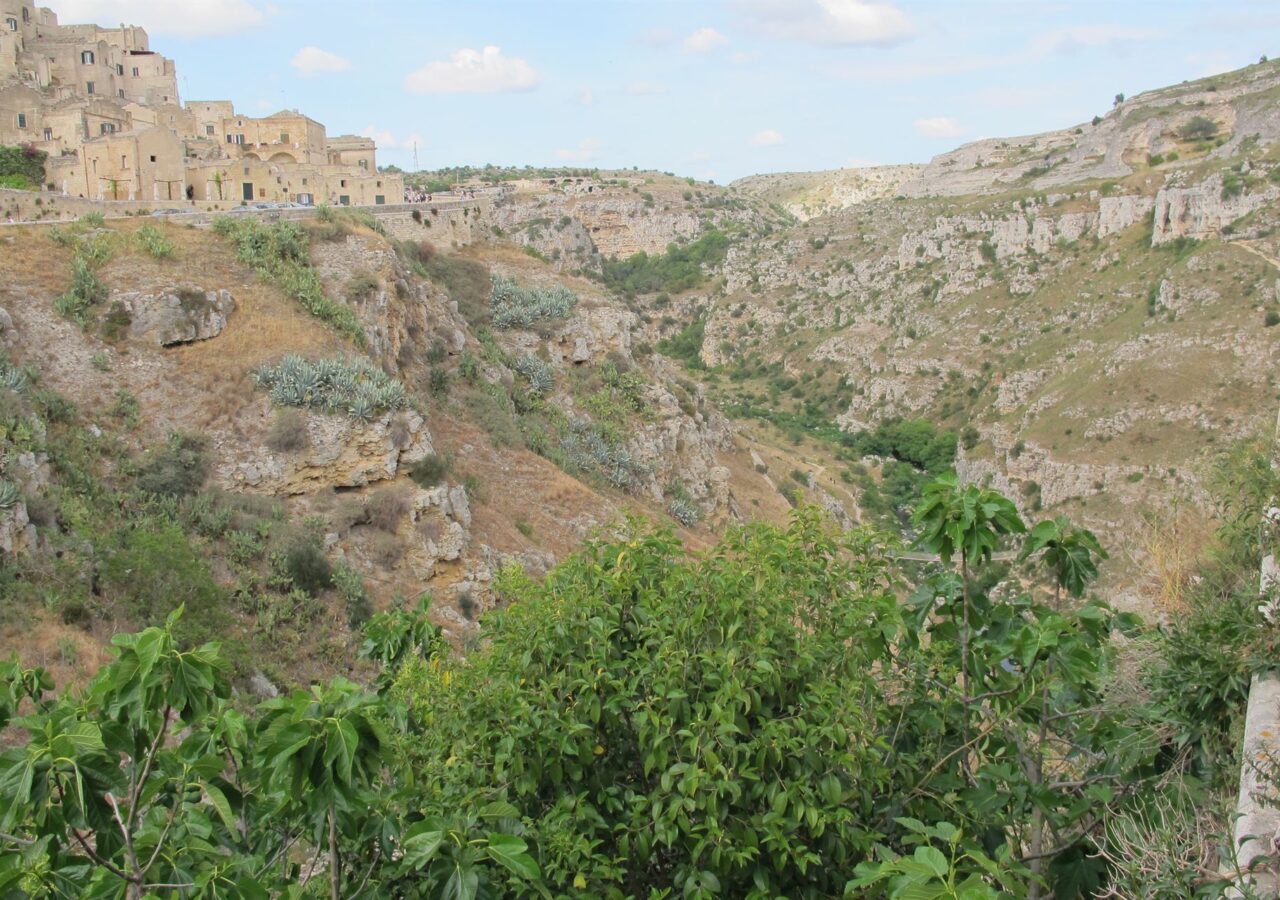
point(246, 170)
point(135, 72)
point(22, 120)
point(379, 200)
point(342, 183)
point(364, 163)
point(48, 134)
point(284, 138)
point(304, 182)
point(208, 129)
point(120, 91)
point(107, 128)
point(119, 69)
point(26, 14)
point(12, 23)
point(262, 193)
point(86, 56)
point(153, 159)
point(344, 200)
point(88, 87)
point(124, 161)
point(379, 184)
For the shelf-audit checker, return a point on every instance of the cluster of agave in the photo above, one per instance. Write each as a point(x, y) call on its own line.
point(587, 449)
point(12, 378)
point(539, 375)
point(8, 496)
point(355, 388)
point(683, 512)
point(512, 306)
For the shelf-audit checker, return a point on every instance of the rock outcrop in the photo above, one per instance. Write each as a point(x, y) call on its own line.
point(179, 316)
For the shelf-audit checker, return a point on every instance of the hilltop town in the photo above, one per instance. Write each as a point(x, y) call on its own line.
point(105, 108)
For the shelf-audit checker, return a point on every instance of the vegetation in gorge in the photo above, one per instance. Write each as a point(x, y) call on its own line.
point(647, 718)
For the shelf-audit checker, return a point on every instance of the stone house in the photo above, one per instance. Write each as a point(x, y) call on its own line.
point(106, 110)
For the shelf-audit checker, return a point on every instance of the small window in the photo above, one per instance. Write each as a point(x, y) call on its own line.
point(86, 57)
point(246, 170)
point(364, 163)
point(379, 184)
point(136, 73)
point(379, 199)
point(119, 69)
point(48, 134)
point(262, 193)
point(304, 182)
point(153, 159)
point(12, 23)
point(120, 91)
point(284, 137)
point(106, 128)
point(208, 129)
point(124, 161)
point(22, 120)
point(88, 87)
point(26, 14)
point(342, 183)
point(344, 200)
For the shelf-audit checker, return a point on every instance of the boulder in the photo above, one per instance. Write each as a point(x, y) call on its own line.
point(180, 316)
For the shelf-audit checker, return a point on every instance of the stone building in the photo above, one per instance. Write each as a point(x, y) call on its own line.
point(106, 110)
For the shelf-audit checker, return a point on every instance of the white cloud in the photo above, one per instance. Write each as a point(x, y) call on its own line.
point(190, 18)
point(704, 40)
point(586, 97)
point(471, 71)
point(584, 152)
point(386, 140)
point(832, 22)
point(1085, 37)
point(768, 138)
point(938, 127)
point(645, 88)
point(312, 61)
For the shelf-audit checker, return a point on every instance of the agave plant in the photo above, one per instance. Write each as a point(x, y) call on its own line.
point(12, 378)
point(9, 496)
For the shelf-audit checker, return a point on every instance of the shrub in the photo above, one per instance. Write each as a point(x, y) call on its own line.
point(430, 470)
point(1199, 128)
point(360, 287)
point(686, 345)
point(1272, 318)
point(154, 242)
point(24, 162)
point(512, 306)
point(87, 291)
point(151, 570)
point(307, 567)
point(351, 586)
point(288, 432)
point(178, 469)
point(683, 512)
point(387, 508)
point(680, 268)
point(356, 388)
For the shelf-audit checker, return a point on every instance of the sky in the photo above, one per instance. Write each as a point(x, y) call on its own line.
point(714, 89)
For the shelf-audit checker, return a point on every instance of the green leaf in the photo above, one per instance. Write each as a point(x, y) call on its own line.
point(933, 858)
point(218, 801)
point(510, 852)
point(463, 883)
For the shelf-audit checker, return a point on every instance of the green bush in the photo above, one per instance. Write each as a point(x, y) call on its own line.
point(178, 469)
point(681, 268)
point(153, 241)
point(355, 388)
point(86, 292)
point(307, 568)
point(686, 345)
point(1199, 128)
point(430, 470)
point(152, 570)
point(361, 286)
point(24, 162)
